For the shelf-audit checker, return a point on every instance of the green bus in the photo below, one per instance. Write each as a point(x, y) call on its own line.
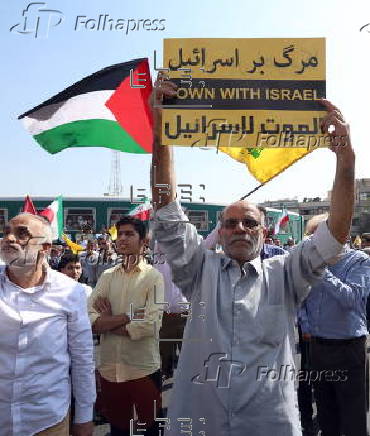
point(100, 213)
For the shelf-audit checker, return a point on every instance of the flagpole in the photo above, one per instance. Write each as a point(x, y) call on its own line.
point(251, 192)
point(290, 225)
point(275, 175)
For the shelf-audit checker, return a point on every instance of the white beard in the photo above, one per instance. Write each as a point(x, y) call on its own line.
point(19, 259)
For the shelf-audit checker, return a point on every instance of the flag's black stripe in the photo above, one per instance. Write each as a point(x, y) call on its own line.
point(247, 103)
point(106, 79)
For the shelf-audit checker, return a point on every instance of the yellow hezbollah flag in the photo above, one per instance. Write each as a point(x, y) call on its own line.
point(113, 232)
point(72, 245)
point(266, 163)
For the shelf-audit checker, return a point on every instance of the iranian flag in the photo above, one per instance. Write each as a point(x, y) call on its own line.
point(106, 109)
point(282, 221)
point(141, 211)
point(54, 214)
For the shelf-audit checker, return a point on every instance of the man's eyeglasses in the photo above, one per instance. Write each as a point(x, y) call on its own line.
point(22, 234)
point(247, 223)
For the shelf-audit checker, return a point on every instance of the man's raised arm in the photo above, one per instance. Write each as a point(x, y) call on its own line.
point(306, 264)
point(178, 238)
point(163, 173)
point(343, 193)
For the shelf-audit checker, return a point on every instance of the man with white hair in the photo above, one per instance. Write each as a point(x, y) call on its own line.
point(333, 320)
point(45, 333)
point(236, 370)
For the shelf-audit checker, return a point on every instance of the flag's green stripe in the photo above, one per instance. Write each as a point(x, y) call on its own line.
point(88, 133)
point(60, 216)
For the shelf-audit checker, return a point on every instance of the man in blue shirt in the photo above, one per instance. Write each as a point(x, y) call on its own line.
point(269, 250)
point(334, 315)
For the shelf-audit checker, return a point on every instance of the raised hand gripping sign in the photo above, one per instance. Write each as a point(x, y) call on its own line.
point(260, 92)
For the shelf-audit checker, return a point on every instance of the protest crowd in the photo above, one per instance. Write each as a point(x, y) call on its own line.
point(97, 336)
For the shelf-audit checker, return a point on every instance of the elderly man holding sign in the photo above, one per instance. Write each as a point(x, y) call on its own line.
point(236, 371)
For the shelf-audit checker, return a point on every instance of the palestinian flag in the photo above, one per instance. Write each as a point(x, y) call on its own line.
point(141, 211)
point(104, 109)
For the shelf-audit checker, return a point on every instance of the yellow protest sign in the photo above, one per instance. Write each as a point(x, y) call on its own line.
point(245, 93)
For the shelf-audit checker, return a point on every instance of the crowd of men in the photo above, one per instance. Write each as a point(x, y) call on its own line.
point(228, 315)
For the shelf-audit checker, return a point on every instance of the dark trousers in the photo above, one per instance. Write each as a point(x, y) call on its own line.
point(305, 386)
point(340, 389)
point(118, 401)
point(173, 325)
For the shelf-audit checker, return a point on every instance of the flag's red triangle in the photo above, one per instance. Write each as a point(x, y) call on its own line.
point(28, 206)
point(130, 106)
point(47, 213)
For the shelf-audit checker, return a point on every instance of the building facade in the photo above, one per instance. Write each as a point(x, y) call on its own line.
point(316, 206)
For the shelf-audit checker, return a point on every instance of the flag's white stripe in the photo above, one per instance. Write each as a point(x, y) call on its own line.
point(81, 107)
point(283, 214)
point(141, 208)
point(54, 225)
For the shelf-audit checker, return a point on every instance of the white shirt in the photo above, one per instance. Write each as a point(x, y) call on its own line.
point(88, 289)
point(175, 302)
point(45, 331)
point(236, 369)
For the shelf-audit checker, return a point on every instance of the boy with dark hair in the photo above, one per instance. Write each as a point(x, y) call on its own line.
point(126, 309)
point(70, 265)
